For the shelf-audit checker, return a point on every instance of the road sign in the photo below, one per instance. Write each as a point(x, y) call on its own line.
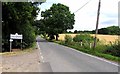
point(16, 36)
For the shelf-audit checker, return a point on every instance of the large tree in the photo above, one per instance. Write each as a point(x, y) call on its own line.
point(57, 20)
point(18, 17)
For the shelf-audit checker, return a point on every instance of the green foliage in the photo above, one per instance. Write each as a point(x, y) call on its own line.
point(83, 38)
point(112, 30)
point(56, 20)
point(99, 51)
point(114, 49)
point(18, 17)
point(40, 26)
point(75, 31)
point(111, 52)
point(28, 35)
point(103, 31)
point(68, 39)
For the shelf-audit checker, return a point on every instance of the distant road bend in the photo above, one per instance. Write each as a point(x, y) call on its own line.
point(60, 58)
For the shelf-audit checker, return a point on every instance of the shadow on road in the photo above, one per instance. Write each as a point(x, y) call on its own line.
point(41, 40)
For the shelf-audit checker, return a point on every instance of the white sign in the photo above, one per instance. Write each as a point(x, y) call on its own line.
point(16, 36)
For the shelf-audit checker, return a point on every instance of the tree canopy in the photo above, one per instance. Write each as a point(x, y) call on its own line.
point(18, 17)
point(57, 20)
point(112, 30)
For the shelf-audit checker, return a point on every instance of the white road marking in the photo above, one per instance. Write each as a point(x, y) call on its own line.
point(95, 57)
point(38, 45)
point(89, 56)
point(42, 59)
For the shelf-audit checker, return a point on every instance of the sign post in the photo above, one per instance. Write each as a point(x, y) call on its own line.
point(21, 44)
point(11, 44)
point(15, 36)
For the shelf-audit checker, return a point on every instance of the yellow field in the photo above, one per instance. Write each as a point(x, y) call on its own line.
point(104, 38)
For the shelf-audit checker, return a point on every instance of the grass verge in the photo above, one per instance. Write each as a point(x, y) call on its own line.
point(91, 51)
point(21, 52)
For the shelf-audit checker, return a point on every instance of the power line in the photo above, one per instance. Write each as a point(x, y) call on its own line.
point(82, 6)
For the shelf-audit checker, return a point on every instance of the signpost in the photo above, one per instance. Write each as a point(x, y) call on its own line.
point(10, 44)
point(15, 36)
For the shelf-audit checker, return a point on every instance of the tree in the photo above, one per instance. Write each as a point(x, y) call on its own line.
point(75, 31)
point(18, 17)
point(103, 31)
point(69, 32)
point(57, 20)
point(112, 30)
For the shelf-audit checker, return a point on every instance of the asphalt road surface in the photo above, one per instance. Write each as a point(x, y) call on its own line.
point(58, 58)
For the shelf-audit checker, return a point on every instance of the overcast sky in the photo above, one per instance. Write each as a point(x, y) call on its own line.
point(85, 19)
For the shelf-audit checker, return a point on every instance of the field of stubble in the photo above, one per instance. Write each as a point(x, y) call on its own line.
point(106, 39)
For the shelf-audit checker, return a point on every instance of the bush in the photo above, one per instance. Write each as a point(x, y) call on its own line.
point(28, 35)
point(68, 39)
point(114, 49)
point(83, 38)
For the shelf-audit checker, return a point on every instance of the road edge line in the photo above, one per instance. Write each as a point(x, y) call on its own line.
point(96, 57)
point(40, 53)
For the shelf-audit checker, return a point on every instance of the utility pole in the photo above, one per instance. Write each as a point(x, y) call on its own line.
point(97, 22)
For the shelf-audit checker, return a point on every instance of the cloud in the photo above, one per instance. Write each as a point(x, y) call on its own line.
point(110, 15)
point(85, 19)
point(109, 22)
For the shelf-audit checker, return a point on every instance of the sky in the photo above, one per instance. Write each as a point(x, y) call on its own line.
point(85, 18)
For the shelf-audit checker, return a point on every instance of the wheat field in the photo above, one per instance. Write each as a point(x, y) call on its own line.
point(106, 39)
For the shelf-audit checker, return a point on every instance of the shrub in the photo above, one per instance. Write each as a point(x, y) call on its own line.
point(101, 48)
point(83, 38)
point(77, 38)
point(114, 49)
point(68, 39)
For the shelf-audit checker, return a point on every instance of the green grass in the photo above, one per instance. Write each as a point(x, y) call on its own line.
point(97, 52)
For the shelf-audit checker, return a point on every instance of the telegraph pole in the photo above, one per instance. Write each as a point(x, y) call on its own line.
point(97, 22)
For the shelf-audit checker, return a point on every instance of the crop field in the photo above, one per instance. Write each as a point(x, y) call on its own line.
point(106, 39)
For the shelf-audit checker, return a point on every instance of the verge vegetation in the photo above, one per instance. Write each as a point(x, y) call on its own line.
point(27, 50)
point(19, 17)
point(84, 43)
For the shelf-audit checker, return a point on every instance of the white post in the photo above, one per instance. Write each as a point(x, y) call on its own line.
point(90, 44)
point(11, 44)
point(81, 43)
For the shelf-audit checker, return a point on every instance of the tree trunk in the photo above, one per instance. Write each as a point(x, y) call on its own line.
point(57, 37)
point(52, 37)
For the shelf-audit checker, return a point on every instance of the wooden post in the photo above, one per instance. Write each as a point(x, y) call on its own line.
point(96, 31)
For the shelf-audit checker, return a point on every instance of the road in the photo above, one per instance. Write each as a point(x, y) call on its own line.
point(64, 59)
